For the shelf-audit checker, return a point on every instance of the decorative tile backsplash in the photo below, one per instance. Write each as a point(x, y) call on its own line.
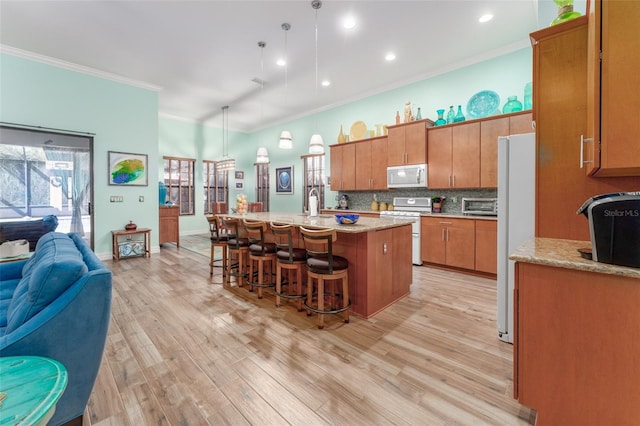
point(361, 200)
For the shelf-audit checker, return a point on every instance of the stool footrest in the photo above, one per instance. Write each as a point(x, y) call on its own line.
point(327, 311)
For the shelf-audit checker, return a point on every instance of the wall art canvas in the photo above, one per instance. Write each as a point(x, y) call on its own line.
point(284, 180)
point(128, 169)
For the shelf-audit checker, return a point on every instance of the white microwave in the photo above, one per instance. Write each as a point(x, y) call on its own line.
point(409, 176)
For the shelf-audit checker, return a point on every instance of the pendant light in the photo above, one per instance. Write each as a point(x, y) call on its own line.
point(227, 163)
point(286, 141)
point(262, 155)
point(316, 144)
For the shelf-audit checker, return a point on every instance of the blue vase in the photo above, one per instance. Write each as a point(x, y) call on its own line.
point(451, 115)
point(162, 193)
point(459, 116)
point(512, 105)
point(440, 121)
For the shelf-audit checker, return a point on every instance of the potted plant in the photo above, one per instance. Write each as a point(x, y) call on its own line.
point(437, 203)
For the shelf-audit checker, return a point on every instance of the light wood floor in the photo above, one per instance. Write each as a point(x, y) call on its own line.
point(183, 350)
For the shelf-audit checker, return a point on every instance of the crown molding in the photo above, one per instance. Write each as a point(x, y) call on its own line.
point(59, 63)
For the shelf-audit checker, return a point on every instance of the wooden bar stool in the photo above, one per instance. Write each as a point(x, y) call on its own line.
point(238, 248)
point(323, 265)
point(292, 260)
point(219, 238)
point(255, 207)
point(261, 253)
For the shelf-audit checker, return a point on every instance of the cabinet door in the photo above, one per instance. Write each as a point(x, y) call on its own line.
point(379, 163)
point(336, 167)
point(432, 240)
point(620, 103)
point(439, 154)
point(343, 165)
point(460, 239)
point(490, 130)
point(465, 160)
point(363, 165)
point(487, 246)
point(395, 153)
point(521, 123)
point(415, 143)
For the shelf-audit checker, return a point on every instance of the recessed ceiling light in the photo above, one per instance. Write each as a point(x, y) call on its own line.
point(325, 83)
point(349, 23)
point(485, 18)
point(390, 57)
point(281, 62)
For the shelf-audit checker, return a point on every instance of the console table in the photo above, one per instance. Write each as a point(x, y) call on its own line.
point(30, 387)
point(124, 244)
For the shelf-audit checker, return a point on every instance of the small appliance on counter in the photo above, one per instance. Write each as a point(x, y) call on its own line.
point(480, 206)
point(343, 203)
point(614, 227)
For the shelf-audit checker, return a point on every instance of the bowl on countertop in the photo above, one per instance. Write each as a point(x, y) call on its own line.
point(346, 218)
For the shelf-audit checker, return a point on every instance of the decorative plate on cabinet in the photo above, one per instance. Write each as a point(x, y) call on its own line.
point(358, 131)
point(483, 104)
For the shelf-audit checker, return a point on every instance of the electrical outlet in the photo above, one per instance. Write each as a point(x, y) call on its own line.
point(454, 199)
point(141, 198)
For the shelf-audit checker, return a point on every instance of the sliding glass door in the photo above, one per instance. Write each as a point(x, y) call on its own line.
point(43, 173)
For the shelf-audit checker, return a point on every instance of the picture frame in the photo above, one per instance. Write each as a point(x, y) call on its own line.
point(239, 174)
point(284, 180)
point(128, 169)
point(239, 185)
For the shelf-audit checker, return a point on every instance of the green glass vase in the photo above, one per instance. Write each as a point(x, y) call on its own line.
point(512, 105)
point(565, 12)
point(440, 121)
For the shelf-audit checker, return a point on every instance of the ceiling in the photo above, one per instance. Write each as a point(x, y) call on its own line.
point(202, 55)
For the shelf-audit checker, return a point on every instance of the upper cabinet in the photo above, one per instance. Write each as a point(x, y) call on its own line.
point(454, 156)
point(407, 143)
point(343, 167)
point(611, 146)
point(371, 164)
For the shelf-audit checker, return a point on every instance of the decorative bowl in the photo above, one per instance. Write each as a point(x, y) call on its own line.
point(483, 104)
point(346, 218)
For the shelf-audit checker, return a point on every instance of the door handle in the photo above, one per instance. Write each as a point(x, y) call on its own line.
point(582, 141)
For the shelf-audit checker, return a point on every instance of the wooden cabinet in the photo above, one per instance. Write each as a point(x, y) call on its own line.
point(343, 167)
point(454, 156)
point(612, 147)
point(448, 241)
point(560, 113)
point(487, 246)
point(169, 225)
point(490, 130)
point(576, 347)
point(407, 143)
point(371, 164)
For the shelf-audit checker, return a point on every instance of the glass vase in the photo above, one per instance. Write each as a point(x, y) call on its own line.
point(451, 115)
point(512, 105)
point(527, 96)
point(565, 12)
point(459, 116)
point(440, 121)
point(419, 115)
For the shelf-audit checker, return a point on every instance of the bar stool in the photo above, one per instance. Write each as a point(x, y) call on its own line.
point(323, 265)
point(219, 207)
point(292, 260)
point(238, 248)
point(255, 207)
point(260, 252)
point(219, 238)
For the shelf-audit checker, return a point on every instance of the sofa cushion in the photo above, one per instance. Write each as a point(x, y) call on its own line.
point(55, 266)
point(6, 294)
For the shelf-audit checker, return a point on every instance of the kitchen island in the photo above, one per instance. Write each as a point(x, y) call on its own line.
point(378, 251)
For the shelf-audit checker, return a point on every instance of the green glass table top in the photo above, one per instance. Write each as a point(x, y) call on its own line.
point(30, 387)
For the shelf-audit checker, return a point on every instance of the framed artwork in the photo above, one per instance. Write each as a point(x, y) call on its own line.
point(239, 175)
point(284, 180)
point(127, 169)
point(239, 185)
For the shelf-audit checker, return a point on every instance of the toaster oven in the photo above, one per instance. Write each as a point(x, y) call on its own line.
point(480, 206)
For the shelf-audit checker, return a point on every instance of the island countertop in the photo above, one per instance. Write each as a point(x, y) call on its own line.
point(564, 254)
point(365, 224)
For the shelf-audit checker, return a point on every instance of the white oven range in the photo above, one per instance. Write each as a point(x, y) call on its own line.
point(410, 208)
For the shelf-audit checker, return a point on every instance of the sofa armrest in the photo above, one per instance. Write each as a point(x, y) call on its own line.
point(11, 270)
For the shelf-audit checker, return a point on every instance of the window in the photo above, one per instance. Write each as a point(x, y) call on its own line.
point(313, 177)
point(216, 185)
point(179, 180)
point(262, 185)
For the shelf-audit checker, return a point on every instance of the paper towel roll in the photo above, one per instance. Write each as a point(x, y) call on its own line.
point(313, 206)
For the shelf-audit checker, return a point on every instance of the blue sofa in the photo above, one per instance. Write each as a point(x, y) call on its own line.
point(57, 304)
point(27, 229)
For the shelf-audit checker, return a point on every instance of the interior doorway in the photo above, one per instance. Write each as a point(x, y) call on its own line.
point(45, 172)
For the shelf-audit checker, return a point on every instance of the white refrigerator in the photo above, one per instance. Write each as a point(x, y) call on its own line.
point(516, 216)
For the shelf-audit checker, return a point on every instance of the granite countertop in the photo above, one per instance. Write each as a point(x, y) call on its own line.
point(365, 224)
point(452, 216)
point(564, 254)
